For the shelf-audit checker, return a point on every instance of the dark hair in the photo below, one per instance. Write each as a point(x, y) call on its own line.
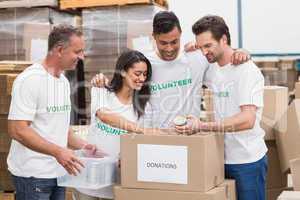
point(164, 22)
point(124, 62)
point(60, 35)
point(215, 24)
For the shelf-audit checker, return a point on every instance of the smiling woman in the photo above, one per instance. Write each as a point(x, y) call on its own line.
point(116, 108)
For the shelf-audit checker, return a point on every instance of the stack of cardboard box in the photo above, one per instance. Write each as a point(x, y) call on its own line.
point(207, 108)
point(8, 73)
point(275, 104)
point(278, 71)
point(20, 39)
point(173, 167)
point(111, 30)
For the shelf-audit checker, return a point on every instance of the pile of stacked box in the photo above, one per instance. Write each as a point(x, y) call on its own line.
point(8, 73)
point(279, 71)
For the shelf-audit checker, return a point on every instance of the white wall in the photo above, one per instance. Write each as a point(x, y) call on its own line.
point(269, 26)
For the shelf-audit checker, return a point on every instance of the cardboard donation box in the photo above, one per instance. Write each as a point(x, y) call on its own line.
point(230, 189)
point(295, 169)
point(275, 104)
point(289, 195)
point(172, 162)
point(147, 194)
point(275, 179)
point(288, 135)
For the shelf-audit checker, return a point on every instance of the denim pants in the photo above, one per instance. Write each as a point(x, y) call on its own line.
point(250, 179)
point(38, 189)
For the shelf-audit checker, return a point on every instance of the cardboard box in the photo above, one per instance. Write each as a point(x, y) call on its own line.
point(272, 194)
point(172, 162)
point(7, 196)
point(275, 104)
point(275, 179)
point(147, 194)
point(6, 83)
point(5, 142)
point(3, 162)
point(289, 195)
point(288, 135)
point(295, 170)
point(230, 189)
point(3, 124)
point(297, 90)
point(6, 183)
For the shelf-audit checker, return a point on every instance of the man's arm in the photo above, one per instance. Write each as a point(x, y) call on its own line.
point(74, 142)
point(21, 131)
point(239, 122)
point(118, 121)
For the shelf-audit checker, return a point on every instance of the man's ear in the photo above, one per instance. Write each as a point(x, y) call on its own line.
point(224, 39)
point(58, 50)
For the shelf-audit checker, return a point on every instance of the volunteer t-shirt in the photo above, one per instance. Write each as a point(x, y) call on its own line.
point(235, 86)
point(103, 135)
point(44, 100)
point(175, 88)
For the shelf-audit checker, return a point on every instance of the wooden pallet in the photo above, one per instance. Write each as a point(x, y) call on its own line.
point(13, 66)
point(66, 4)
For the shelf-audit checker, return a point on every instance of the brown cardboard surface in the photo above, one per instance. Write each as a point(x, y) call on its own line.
point(146, 194)
point(288, 135)
point(205, 161)
point(295, 170)
point(6, 183)
point(5, 141)
point(272, 194)
point(297, 90)
point(3, 124)
point(230, 189)
point(6, 83)
point(275, 104)
point(7, 196)
point(289, 195)
point(275, 179)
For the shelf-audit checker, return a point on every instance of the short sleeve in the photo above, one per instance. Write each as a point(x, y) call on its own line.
point(98, 99)
point(25, 95)
point(251, 86)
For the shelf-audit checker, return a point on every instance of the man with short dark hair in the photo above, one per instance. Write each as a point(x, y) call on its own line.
point(177, 76)
point(238, 102)
point(39, 120)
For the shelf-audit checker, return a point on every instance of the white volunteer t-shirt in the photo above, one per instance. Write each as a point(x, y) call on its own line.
point(44, 100)
point(234, 86)
point(175, 87)
point(103, 135)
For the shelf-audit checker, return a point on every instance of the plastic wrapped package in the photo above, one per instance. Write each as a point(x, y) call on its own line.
point(109, 31)
point(24, 31)
point(27, 3)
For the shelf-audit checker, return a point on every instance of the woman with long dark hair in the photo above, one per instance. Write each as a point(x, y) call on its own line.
point(116, 109)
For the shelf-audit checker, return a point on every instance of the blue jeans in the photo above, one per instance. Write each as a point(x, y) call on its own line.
point(37, 189)
point(250, 179)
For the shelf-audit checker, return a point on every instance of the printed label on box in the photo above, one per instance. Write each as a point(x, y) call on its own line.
point(162, 163)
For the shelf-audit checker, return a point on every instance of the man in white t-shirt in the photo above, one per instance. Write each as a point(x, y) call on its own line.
point(39, 120)
point(238, 103)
